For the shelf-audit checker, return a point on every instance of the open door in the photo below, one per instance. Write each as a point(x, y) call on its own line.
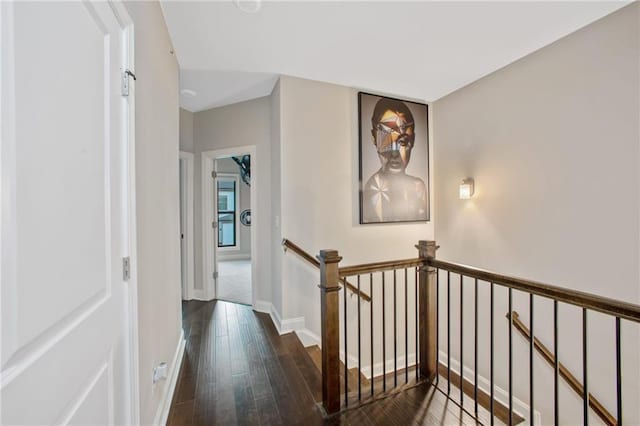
point(65, 214)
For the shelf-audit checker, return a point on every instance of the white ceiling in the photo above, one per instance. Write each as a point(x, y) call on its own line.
point(420, 50)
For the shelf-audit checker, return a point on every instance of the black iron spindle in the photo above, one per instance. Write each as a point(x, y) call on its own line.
point(346, 356)
point(371, 375)
point(510, 357)
point(384, 338)
point(556, 401)
point(461, 342)
point(618, 372)
point(491, 352)
point(406, 328)
point(416, 309)
point(395, 331)
point(531, 347)
point(359, 338)
point(475, 349)
point(437, 326)
point(448, 333)
point(585, 385)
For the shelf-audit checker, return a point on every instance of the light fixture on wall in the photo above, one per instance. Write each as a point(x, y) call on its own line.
point(466, 189)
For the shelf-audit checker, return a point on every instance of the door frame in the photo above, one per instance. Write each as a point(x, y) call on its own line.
point(208, 200)
point(187, 210)
point(130, 249)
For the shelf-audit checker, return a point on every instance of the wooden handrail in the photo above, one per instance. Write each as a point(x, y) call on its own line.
point(573, 382)
point(306, 256)
point(605, 305)
point(389, 265)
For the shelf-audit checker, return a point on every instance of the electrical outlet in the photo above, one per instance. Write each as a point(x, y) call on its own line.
point(160, 372)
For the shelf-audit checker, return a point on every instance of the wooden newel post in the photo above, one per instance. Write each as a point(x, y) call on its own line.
point(330, 316)
point(428, 321)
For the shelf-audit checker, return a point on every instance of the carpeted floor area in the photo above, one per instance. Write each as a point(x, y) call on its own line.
point(234, 281)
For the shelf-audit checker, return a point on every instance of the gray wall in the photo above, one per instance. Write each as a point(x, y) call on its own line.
point(319, 193)
point(241, 124)
point(227, 165)
point(552, 141)
point(157, 213)
point(186, 131)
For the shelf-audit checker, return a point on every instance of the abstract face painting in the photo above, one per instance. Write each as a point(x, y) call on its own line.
point(393, 160)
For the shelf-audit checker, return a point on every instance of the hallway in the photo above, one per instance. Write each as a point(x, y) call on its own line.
point(238, 370)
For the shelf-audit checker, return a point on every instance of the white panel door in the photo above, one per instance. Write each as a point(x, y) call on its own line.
point(64, 215)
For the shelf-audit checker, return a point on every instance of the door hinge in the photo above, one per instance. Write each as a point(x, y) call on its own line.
point(125, 81)
point(215, 275)
point(214, 224)
point(214, 174)
point(126, 268)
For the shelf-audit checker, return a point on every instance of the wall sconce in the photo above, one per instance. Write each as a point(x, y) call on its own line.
point(466, 189)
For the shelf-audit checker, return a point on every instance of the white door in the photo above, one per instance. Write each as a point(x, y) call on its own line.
point(65, 216)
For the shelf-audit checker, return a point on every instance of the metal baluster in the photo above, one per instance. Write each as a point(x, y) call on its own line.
point(475, 350)
point(448, 332)
point(618, 372)
point(585, 388)
point(371, 325)
point(359, 338)
point(556, 402)
point(395, 332)
point(531, 347)
point(437, 326)
point(416, 349)
point(406, 329)
point(384, 339)
point(461, 343)
point(346, 356)
point(491, 352)
point(510, 356)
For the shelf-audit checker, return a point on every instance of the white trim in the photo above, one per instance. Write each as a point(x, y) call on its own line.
point(262, 306)
point(235, 178)
point(308, 338)
point(162, 413)
point(132, 343)
point(200, 294)
point(499, 394)
point(233, 256)
point(208, 262)
point(189, 162)
point(288, 325)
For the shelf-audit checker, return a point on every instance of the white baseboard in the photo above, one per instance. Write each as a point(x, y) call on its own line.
point(499, 394)
point(288, 325)
point(377, 367)
point(243, 256)
point(200, 294)
point(262, 306)
point(308, 338)
point(162, 414)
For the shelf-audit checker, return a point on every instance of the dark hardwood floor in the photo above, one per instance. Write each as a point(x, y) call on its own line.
point(238, 370)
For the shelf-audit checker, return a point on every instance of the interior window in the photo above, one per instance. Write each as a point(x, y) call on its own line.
point(226, 213)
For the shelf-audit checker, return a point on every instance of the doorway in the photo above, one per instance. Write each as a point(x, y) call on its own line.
point(229, 201)
point(186, 162)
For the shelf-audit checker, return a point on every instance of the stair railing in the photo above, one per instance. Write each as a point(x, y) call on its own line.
point(394, 283)
point(289, 245)
point(470, 278)
point(389, 281)
point(565, 374)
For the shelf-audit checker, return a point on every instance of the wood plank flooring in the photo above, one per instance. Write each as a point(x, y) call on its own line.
point(238, 370)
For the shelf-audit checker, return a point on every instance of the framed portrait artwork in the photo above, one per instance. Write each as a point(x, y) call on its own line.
point(394, 160)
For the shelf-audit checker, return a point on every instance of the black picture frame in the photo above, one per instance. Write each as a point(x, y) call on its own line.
point(419, 165)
